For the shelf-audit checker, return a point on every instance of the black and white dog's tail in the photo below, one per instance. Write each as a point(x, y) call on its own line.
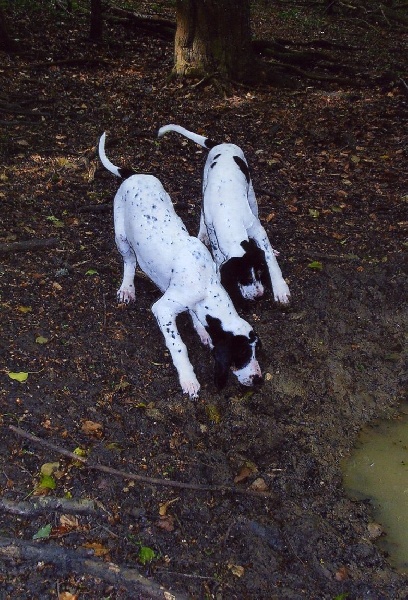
point(198, 139)
point(123, 173)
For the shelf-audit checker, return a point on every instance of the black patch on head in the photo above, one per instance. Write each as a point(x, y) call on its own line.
point(243, 167)
point(209, 143)
point(229, 350)
point(125, 173)
point(237, 271)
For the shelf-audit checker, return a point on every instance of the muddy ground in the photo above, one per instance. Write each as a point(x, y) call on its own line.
point(329, 165)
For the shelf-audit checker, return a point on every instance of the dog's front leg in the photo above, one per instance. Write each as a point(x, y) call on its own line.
point(280, 288)
point(201, 330)
point(166, 310)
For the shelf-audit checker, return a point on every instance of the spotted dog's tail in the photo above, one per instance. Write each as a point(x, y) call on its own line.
point(118, 171)
point(198, 139)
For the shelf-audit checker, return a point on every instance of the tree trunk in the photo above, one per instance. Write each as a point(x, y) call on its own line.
point(6, 42)
point(213, 36)
point(96, 29)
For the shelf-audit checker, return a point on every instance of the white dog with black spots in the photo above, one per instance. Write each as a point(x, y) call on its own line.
point(230, 225)
point(149, 232)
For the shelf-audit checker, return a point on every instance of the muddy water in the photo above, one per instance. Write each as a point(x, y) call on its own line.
point(378, 470)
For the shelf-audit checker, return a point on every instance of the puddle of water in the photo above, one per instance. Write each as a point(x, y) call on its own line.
point(378, 470)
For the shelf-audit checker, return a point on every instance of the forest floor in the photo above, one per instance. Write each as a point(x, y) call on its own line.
point(329, 166)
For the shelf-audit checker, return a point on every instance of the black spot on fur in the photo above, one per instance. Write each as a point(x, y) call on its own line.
point(243, 167)
point(213, 164)
point(237, 271)
point(125, 173)
point(210, 144)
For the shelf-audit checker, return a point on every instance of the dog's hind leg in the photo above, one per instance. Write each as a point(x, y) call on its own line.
point(126, 292)
point(202, 233)
point(166, 310)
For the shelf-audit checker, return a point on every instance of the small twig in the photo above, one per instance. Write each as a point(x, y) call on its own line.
point(28, 245)
point(133, 476)
point(405, 86)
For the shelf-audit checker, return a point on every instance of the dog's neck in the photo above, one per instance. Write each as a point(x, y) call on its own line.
point(210, 305)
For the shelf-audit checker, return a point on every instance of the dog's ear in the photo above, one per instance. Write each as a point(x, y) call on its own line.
point(223, 360)
point(229, 274)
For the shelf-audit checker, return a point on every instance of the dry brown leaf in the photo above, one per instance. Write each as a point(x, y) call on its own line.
point(163, 506)
point(166, 523)
point(67, 596)
point(247, 469)
point(237, 570)
point(259, 485)
point(92, 428)
point(98, 549)
point(70, 521)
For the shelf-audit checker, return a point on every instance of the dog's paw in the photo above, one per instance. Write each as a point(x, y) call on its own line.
point(126, 295)
point(190, 387)
point(281, 293)
point(204, 336)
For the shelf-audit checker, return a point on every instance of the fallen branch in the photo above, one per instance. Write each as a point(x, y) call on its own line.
point(133, 476)
point(72, 560)
point(45, 504)
point(28, 245)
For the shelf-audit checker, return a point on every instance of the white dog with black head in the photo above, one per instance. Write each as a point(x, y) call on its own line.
point(230, 225)
point(148, 231)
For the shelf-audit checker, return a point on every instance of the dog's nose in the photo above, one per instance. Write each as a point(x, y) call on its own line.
point(257, 380)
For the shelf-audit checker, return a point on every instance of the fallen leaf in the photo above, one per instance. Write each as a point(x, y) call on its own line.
point(237, 570)
point(341, 574)
point(69, 521)
point(315, 264)
point(41, 340)
point(259, 485)
point(146, 555)
point(47, 469)
point(163, 506)
point(97, 547)
point(213, 413)
point(24, 309)
point(21, 376)
point(43, 533)
point(92, 428)
point(67, 596)
point(246, 470)
point(166, 522)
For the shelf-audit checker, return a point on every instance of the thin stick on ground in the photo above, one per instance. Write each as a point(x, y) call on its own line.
point(133, 476)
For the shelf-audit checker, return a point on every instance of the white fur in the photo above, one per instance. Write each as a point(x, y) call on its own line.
point(230, 212)
point(148, 231)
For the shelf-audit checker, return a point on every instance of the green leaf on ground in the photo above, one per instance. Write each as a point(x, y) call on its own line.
point(43, 533)
point(20, 376)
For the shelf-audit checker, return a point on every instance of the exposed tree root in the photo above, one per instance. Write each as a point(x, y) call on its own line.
point(81, 562)
point(43, 504)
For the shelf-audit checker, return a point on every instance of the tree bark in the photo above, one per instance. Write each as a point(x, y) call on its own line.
point(96, 28)
point(6, 42)
point(213, 36)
